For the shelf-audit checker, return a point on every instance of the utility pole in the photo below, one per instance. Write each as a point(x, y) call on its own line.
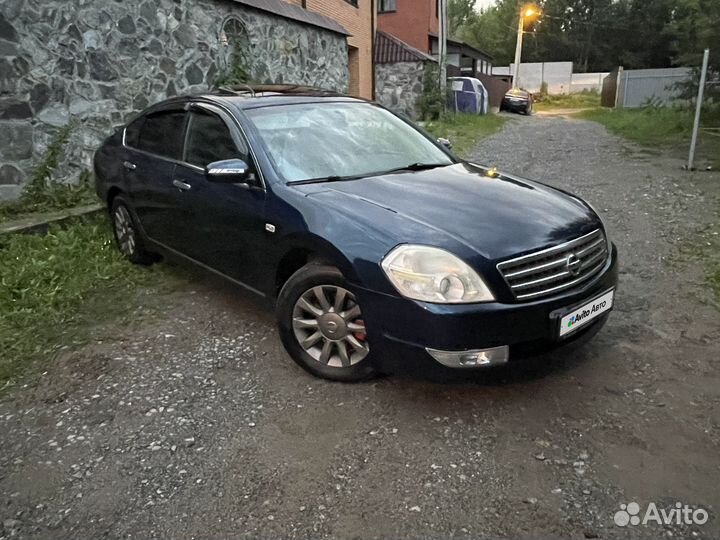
point(442, 45)
point(526, 11)
point(518, 50)
point(698, 108)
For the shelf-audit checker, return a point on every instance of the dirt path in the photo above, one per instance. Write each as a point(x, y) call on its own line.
point(197, 425)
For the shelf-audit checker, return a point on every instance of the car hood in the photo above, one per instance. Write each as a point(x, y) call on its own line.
point(497, 217)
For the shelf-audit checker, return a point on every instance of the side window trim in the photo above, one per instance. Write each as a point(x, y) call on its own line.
point(188, 127)
point(139, 118)
point(237, 133)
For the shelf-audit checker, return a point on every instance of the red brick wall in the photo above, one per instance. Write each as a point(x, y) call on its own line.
point(357, 21)
point(411, 22)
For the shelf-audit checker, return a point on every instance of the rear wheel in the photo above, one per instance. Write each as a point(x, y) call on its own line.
point(127, 233)
point(321, 325)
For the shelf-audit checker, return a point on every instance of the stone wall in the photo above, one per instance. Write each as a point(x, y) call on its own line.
point(95, 63)
point(399, 85)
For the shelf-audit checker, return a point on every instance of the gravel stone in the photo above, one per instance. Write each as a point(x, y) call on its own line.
point(313, 461)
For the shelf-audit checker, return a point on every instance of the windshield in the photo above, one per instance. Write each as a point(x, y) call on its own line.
point(321, 140)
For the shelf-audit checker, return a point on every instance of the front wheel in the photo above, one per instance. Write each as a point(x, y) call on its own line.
point(322, 327)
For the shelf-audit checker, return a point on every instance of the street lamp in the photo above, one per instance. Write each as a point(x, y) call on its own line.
point(526, 12)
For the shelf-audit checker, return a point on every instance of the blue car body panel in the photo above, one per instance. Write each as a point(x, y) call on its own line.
point(247, 232)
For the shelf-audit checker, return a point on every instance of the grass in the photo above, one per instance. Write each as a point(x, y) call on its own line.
point(53, 197)
point(660, 127)
point(465, 130)
point(582, 100)
point(42, 194)
point(646, 125)
point(703, 251)
point(55, 288)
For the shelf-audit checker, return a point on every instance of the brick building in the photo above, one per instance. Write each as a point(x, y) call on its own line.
point(357, 17)
point(416, 23)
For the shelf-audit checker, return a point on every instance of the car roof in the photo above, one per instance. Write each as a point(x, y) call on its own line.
point(251, 97)
point(267, 100)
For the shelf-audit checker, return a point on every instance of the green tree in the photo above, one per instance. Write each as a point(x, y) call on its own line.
point(493, 30)
point(460, 13)
point(597, 35)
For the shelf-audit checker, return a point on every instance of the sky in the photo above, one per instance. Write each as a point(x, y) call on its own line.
point(483, 3)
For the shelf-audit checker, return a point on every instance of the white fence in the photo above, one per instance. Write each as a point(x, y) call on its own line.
point(587, 81)
point(638, 87)
point(559, 77)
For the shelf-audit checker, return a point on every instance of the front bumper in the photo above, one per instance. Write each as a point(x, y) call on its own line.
point(401, 330)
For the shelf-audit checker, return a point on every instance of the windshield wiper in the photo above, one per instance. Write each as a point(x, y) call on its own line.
point(334, 178)
point(418, 167)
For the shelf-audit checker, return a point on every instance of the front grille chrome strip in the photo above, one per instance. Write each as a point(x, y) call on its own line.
point(547, 266)
point(560, 288)
point(582, 252)
point(556, 269)
point(549, 279)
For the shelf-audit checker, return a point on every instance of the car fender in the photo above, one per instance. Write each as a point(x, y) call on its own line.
point(319, 248)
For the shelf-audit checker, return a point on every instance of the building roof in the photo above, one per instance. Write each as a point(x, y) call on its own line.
point(295, 13)
point(467, 50)
point(389, 49)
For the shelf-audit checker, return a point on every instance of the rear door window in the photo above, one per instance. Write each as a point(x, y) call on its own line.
point(209, 140)
point(162, 134)
point(132, 132)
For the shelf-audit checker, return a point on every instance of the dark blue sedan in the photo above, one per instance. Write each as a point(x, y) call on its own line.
point(381, 249)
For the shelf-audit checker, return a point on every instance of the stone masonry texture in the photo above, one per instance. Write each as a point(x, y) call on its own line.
point(96, 63)
point(399, 86)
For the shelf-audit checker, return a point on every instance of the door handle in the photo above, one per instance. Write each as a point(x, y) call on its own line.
point(129, 166)
point(182, 186)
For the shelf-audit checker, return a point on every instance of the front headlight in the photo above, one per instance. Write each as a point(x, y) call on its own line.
point(434, 275)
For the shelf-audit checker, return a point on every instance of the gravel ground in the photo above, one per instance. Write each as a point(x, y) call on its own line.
point(196, 424)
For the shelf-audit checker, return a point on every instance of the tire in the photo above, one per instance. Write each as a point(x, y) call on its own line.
point(336, 345)
point(128, 236)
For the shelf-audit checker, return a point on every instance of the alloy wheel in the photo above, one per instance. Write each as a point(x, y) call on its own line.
point(328, 325)
point(124, 231)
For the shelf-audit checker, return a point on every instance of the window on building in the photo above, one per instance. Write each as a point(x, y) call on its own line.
point(235, 49)
point(385, 6)
point(352, 2)
point(162, 134)
point(209, 140)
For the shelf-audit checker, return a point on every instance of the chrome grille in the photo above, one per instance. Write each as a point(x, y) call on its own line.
point(556, 269)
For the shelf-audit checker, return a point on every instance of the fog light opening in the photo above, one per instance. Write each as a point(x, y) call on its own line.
point(473, 358)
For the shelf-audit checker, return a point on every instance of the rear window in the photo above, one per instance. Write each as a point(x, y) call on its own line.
point(132, 132)
point(162, 134)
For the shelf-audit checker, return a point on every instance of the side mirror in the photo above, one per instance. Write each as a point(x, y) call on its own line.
point(229, 171)
point(445, 142)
